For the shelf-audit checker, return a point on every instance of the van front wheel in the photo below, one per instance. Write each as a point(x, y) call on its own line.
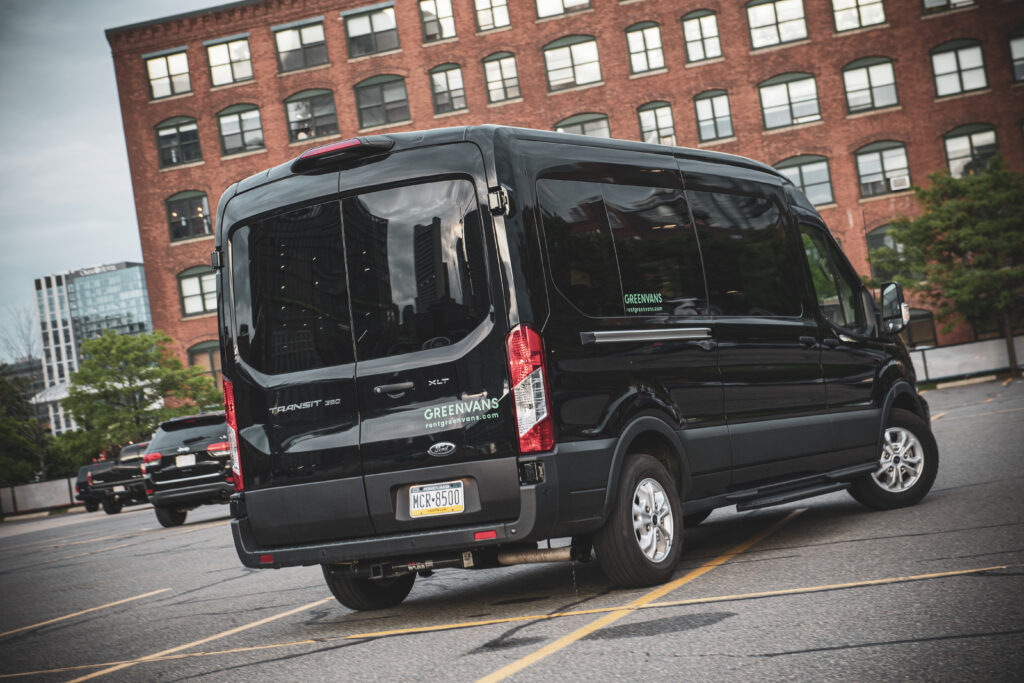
point(907, 465)
point(367, 594)
point(640, 542)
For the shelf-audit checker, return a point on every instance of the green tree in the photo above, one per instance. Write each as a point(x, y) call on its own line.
point(19, 459)
point(71, 450)
point(127, 384)
point(966, 250)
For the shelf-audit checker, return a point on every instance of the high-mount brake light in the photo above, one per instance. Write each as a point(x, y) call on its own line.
point(528, 373)
point(353, 148)
point(229, 416)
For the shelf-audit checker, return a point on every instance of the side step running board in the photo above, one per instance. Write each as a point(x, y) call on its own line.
point(790, 496)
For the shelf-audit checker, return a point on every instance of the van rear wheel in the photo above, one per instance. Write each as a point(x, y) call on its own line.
point(907, 465)
point(367, 594)
point(640, 542)
point(169, 517)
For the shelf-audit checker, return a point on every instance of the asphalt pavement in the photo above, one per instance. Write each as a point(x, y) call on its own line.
point(821, 589)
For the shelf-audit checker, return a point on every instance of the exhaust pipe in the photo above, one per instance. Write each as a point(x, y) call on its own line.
point(509, 557)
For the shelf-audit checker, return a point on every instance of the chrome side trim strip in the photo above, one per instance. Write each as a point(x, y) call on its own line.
point(671, 334)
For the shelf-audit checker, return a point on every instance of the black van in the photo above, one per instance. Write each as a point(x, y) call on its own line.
point(440, 348)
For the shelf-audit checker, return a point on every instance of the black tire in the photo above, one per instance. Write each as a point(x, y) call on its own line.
point(695, 518)
point(618, 543)
point(368, 594)
point(169, 517)
point(112, 506)
point(91, 506)
point(900, 481)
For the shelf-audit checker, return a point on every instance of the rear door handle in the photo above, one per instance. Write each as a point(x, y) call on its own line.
point(394, 388)
point(830, 342)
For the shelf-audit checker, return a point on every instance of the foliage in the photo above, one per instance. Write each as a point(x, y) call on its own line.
point(127, 384)
point(19, 459)
point(967, 248)
point(71, 450)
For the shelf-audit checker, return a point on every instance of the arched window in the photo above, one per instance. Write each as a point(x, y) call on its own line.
point(714, 119)
point(188, 215)
point(700, 32)
point(240, 129)
point(810, 174)
point(850, 15)
point(311, 114)
point(197, 287)
point(382, 100)
point(449, 91)
point(594, 125)
point(177, 141)
point(502, 77)
point(656, 123)
point(644, 43)
point(552, 8)
point(1017, 55)
point(572, 61)
point(870, 84)
point(773, 22)
point(789, 99)
point(958, 66)
point(491, 14)
point(969, 148)
point(882, 168)
point(437, 20)
point(206, 355)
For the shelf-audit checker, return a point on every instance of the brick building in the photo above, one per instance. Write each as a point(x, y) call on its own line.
point(855, 99)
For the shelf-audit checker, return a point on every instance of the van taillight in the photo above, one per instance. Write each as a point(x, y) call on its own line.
point(229, 416)
point(528, 374)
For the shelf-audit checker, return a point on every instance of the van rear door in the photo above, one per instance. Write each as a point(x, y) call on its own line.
point(436, 433)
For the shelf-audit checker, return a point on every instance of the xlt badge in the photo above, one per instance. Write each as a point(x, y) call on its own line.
point(441, 449)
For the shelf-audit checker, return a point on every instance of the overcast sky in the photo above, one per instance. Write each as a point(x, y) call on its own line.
point(65, 193)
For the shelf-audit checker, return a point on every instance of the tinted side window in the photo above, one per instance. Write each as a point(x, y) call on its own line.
point(837, 290)
point(417, 267)
point(580, 245)
point(290, 293)
point(747, 259)
point(657, 250)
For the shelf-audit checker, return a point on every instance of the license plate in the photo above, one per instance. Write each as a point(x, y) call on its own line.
point(185, 460)
point(436, 499)
point(118, 489)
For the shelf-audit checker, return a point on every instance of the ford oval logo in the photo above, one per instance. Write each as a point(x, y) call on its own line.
point(441, 448)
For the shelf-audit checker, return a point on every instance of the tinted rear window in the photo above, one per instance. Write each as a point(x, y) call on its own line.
point(186, 434)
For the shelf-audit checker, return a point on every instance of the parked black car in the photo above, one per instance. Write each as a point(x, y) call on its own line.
point(83, 485)
point(188, 462)
point(442, 347)
point(121, 481)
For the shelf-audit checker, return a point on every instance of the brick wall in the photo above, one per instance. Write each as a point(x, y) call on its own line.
point(906, 37)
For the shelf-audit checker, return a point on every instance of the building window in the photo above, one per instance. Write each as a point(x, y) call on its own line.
point(656, 123)
point(854, 14)
point(382, 100)
point(177, 141)
point(882, 168)
point(206, 355)
point(773, 22)
point(230, 62)
point(552, 8)
point(446, 84)
point(491, 14)
point(168, 75)
point(572, 61)
point(300, 48)
point(810, 174)
point(311, 114)
point(502, 77)
point(943, 5)
point(714, 120)
point(240, 129)
point(958, 67)
point(594, 125)
point(700, 31)
point(789, 99)
point(880, 238)
point(371, 32)
point(969, 149)
point(438, 22)
point(198, 289)
point(1017, 55)
point(870, 84)
point(188, 215)
point(644, 41)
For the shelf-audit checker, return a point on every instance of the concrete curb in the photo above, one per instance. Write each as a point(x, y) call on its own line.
point(966, 382)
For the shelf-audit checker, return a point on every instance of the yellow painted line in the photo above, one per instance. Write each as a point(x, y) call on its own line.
point(643, 600)
point(936, 417)
point(531, 617)
point(1008, 380)
point(84, 611)
point(202, 641)
point(991, 412)
point(180, 532)
point(989, 400)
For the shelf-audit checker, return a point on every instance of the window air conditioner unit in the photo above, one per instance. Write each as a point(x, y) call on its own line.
point(900, 182)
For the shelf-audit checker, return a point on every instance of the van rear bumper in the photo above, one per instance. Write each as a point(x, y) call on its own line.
point(538, 514)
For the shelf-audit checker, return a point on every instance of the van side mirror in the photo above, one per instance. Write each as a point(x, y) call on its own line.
point(895, 311)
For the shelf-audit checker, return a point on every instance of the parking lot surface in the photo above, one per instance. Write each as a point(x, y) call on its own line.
point(821, 589)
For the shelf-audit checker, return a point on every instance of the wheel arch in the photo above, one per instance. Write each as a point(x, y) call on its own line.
point(901, 395)
point(653, 436)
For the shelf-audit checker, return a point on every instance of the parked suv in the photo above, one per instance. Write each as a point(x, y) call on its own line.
point(440, 348)
point(188, 462)
point(122, 481)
